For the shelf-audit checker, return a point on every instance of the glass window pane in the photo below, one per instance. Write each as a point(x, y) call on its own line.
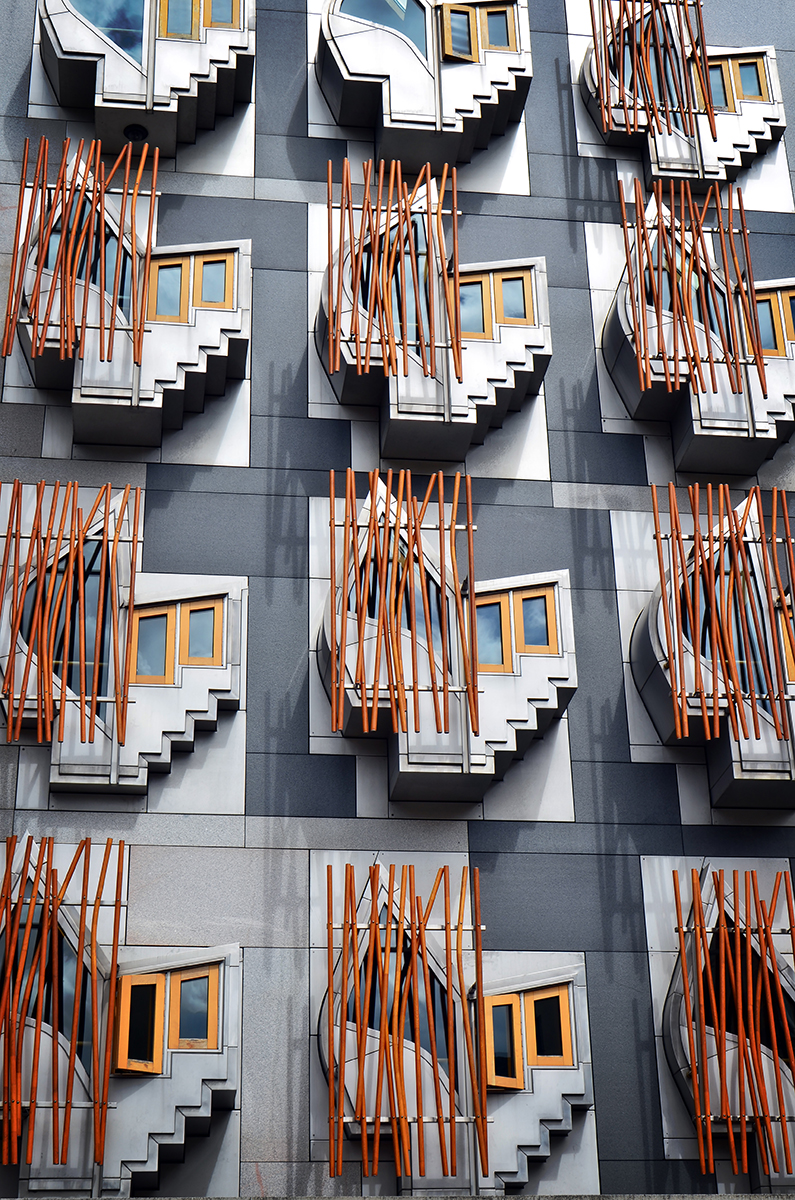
point(792, 310)
point(122, 21)
point(169, 291)
point(497, 25)
point(214, 282)
point(503, 1039)
point(152, 645)
point(534, 620)
point(549, 1034)
point(749, 79)
point(141, 1042)
point(179, 20)
point(472, 308)
point(513, 305)
point(460, 40)
point(194, 999)
point(767, 330)
point(718, 87)
point(490, 634)
point(221, 12)
point(201, 630)
point(407, 18)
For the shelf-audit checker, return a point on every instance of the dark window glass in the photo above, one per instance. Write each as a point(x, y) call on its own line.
point(472, 307)
point(767, 330)
point(408, 19)
point(502, 1024)
point(460, 39)
point(222, 12)
point(749, 79)
point(194, 1001)
point(201, 630)
point(792, 310)
point(513, 305)
point(497, 25)
point(490, 634)
point(121, 21)
point(169, 291)
point(214, 282)
point(151, 658)
point(549, 1034)
point(179, 19)
point(141, 1042)
point(534, 620)
point(717, 87)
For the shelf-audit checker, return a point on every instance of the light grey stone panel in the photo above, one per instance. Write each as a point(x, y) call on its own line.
point(201, 896)
point(137, 829)
point(298, 1179)
point(319, 833)
point(275, 1083)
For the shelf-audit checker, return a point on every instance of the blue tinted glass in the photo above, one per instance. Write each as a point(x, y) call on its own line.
point(497, 25)
point(749, 79)
point(490, 634)
point(513, 306)
point(408, 19)
point(767, 331)
point(534, 620)
point(193, 1008)
point(717, 87)
point(214, 282)
point(151, 645)
point(179, 20)
point(222, 12)
point(169, 291)
point(201, 629)
point(122, 21)
point(472, 308)
point(460, 40)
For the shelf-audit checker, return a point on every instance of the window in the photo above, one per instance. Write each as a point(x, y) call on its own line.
point(222, 14)
point(750, 79)
point(213, 280)
point(475, 294)
point(497, 29)
point(408, 18)
point(122, 23)
point(535, 625)
point(201, 629)
point(494, 634)
point(504, 1065)
point(168, 290)
point(788, 300)
point(153, 644)
point(548, 1026)
point(513, 297)
point(179, 18)
point(720, 85)
point(771, 332)
point(193, 1009)
point(141, 1017)
point(459, 33)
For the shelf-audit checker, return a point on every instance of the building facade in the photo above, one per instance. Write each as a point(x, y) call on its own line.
point(397, 650)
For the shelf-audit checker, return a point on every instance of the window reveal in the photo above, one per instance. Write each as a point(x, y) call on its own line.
point(201, 638)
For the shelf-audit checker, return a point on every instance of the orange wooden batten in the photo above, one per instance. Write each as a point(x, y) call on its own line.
point(377, 930)
point(48, 596)
point(650, 55)
point(737, 993)
point(67, 223)
point(727, 590)
point(378, 266)
point(30, 901)
point(387, 577)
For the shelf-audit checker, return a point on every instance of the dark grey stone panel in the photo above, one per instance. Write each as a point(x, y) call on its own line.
point(562, 243)
point(278, 667)
point(279, 157)
point(21, 429)
point(582, 457)
point(236, 480)
point(565, 837)
point(88, 473)
point(279, 347)
point(219, 533)
point(639, 793)
point(277, 228)
point(592, 179)
point(729, 24)
point(522, 492)
point(16, 32)
point(549, 108)
point(653, 1177)
point(549, 16)
point(561, 902)
point(513, 540)
point(300, 785)
point(544, 208)
point(300, 442)
point(281, 74)
point(570, 384)
point(9, 766)
point(597, 713)
point(764, 841)
point(772, 255)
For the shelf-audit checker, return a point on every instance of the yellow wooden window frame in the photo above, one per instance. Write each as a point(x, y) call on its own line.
point(186, 608)
point(493, 1080)
point(485, 284)
point(152, 314)
point(728, 88)
point(225, 256)
point(209, 23)
point(193, 36)
point(447, 35)
point(176, 980)
point(744, 60)
point(789, 659)
point(170, 613)
point(506, 666)
point(548, 592)
point(534, 1059)
point(778, 328)
point(789, 324)
point(123, 1062)
point(508, 9)
point(526, 277)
